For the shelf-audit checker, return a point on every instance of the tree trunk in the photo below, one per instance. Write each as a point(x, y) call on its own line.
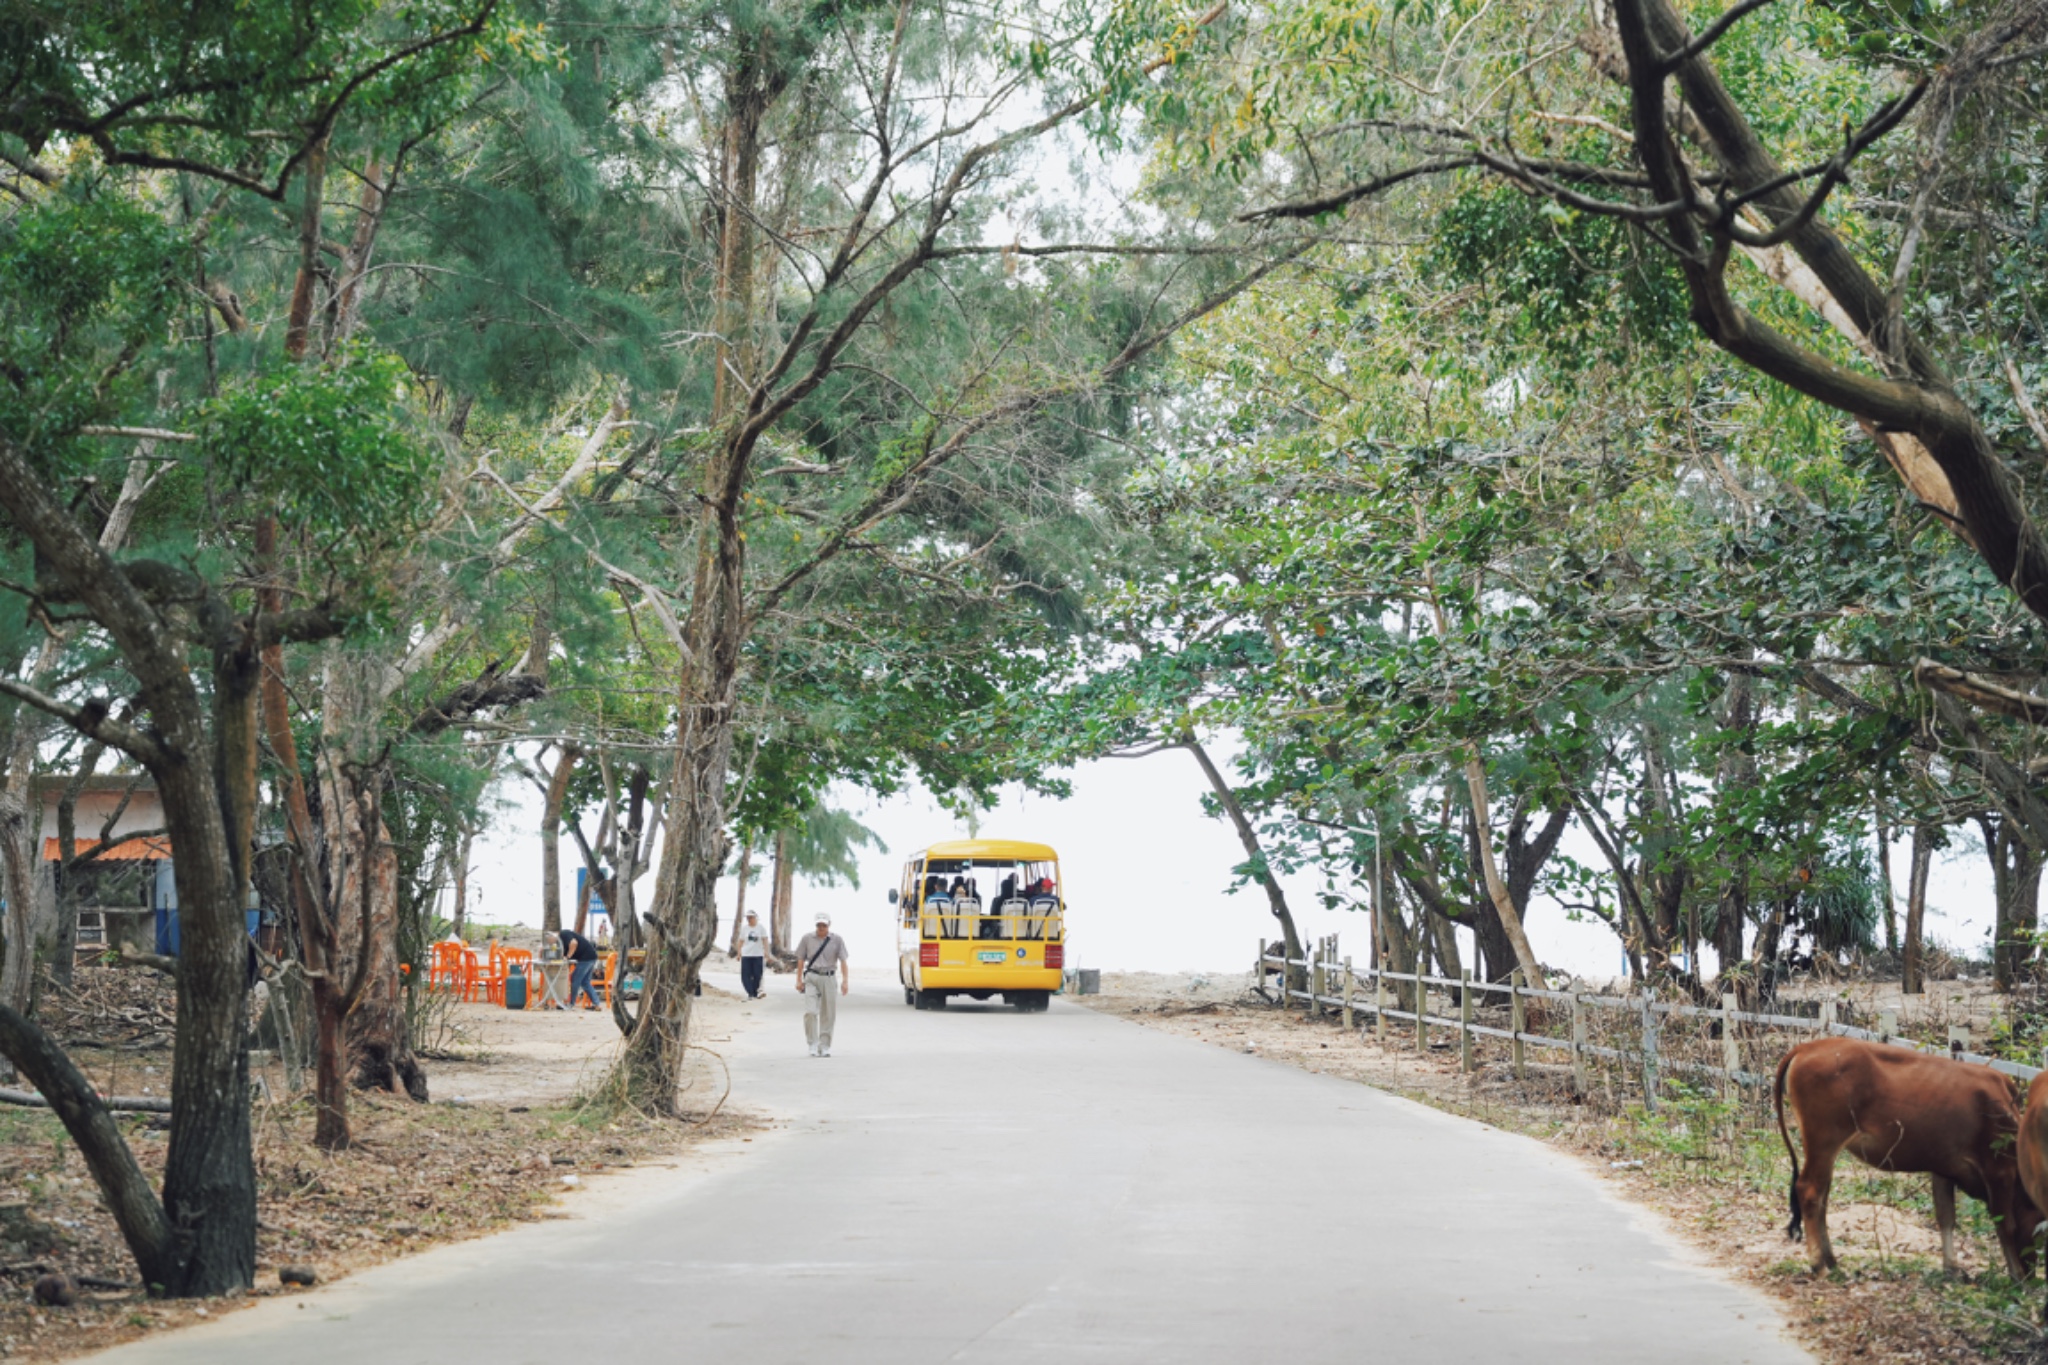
point(682, 924)
point(1496, 889)
point(625, 912)
point(1396, 943)
point(1736, 773)
point(551, 843)
point(2016, 877)
point(18, 833)
point(361, 881)
point(783, 906)
point(322, 920)
point(1884, 870)
point(1731, 912)
point(462, 882)
point(1443, 936)
point(1255, 858)
point(209, 1180)
point(1913, 980)
point(1769, 939)
point(1494, 956)
point(739, 908)
point(123, 1187)
point(330, 1066)
point(209, 1172)
point(379, 1044)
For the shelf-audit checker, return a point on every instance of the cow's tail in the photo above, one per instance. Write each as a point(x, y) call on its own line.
point(1792, 1229)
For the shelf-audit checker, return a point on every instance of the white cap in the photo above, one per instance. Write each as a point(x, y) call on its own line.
point(822, 918)
point(752, 915)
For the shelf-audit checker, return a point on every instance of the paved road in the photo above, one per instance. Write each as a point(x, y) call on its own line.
point(983, 1186)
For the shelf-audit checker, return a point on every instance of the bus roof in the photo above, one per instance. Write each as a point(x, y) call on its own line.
point(993, 848)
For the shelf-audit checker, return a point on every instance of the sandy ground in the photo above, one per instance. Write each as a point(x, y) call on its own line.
point(491, 1055)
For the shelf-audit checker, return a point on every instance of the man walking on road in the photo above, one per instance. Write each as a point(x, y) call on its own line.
point(817, 953)
point(753, 955)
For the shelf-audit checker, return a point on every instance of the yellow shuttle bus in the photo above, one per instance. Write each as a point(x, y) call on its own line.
point(981, 918)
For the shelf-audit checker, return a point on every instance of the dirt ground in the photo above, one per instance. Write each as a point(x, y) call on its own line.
point(506, 1138)
point(1716, 1169)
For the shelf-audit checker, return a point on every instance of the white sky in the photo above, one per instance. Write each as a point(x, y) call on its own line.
point(1147, 878)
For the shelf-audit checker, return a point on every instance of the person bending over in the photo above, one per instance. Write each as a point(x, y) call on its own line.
point(582, 955)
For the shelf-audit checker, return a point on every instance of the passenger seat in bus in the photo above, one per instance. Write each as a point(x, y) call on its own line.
point(1013, 912)
point(1042, 908)
point(937, 902)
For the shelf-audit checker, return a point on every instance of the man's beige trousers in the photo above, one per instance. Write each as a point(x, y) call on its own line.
point(821, 1007)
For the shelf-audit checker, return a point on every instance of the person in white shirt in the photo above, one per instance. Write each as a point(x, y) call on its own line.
point(753, 955)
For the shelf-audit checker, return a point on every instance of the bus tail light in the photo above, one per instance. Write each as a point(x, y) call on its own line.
point(927, 954)
point(1055, 954)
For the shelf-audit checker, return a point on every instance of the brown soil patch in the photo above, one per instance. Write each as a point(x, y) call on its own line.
point(1716, 1170)
point(505, 1140)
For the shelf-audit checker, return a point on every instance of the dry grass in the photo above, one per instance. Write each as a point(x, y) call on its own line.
point(1714, 1166)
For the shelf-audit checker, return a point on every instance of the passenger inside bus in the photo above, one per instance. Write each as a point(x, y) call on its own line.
point(952, 906)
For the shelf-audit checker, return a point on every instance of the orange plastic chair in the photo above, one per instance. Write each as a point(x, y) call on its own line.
point(475, 974)
point(606, 975)
point(490, 976)
point(447, 967)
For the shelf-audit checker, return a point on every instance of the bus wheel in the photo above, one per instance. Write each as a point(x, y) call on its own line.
point(909, 996)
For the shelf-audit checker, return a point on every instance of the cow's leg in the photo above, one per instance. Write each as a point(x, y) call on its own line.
point(1812, 1190)
point(1945, 1219)
point(2016, 1242)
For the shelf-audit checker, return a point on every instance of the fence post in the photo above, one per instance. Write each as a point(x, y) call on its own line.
point(1379, 1007)
point(1347, 995)
point(1517, 1017)
point(1650, 1048)
point(1312, 1008)
point(1262, 965)
point(1827, 1016)
point(1887, 1024)
point(1421, 1009)
point(1958, 1039)
point(1578, 1045)
point(1465, 1020)
point(1731, 1051)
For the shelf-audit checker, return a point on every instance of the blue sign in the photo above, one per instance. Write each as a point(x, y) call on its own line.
point(597, 905)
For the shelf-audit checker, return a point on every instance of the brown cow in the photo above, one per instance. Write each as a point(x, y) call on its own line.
point(2033, 1147)
point(1900, 1110)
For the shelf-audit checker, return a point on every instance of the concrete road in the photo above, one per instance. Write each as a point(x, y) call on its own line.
point(985, 1186)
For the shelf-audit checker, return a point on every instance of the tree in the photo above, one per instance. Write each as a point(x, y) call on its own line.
point(931, 154)
point(94, 268)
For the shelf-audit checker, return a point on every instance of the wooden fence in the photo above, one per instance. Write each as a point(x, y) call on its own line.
point(1642, 1035)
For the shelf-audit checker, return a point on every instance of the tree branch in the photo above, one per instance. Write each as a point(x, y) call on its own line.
point(92, 720)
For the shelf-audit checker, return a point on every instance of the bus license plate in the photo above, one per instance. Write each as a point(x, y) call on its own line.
point(996, 955)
